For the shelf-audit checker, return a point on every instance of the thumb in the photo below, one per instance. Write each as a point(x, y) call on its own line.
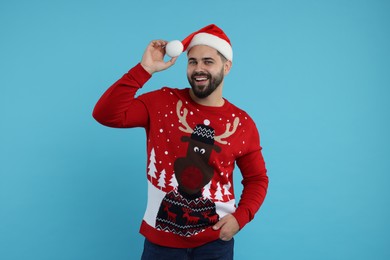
point(171, 62)
point(160, 66)
point(219, 224)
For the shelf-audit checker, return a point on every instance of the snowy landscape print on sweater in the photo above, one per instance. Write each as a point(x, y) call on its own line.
point(167, 182)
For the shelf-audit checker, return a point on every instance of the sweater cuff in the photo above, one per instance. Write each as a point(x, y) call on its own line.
point(139, 74)
point(241, 216)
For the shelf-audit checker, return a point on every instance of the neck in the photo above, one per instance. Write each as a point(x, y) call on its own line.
point(215, 99)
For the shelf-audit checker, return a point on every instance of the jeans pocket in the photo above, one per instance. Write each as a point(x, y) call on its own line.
point(226, 241)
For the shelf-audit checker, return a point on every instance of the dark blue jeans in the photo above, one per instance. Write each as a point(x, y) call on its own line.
point(216, 250)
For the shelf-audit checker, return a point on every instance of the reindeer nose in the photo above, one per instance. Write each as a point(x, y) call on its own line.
point(191, 178)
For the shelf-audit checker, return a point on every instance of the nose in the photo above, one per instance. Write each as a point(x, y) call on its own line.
point(199, 67)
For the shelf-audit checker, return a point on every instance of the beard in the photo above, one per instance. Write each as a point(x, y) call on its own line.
point(205, 90)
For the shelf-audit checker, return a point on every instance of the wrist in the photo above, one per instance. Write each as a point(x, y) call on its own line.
point(147, 69)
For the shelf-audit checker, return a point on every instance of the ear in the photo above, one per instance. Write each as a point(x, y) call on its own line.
point(217, 148)
point(185, 138)
point(227, 66)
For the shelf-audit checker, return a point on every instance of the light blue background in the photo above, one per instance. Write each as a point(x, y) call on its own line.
point(314, 75)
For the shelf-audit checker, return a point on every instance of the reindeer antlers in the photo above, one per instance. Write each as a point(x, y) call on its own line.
point(188, 129)
point(182, 119)
point(227, 132)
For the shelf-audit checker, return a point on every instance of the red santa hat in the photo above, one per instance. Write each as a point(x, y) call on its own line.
point(211, 36)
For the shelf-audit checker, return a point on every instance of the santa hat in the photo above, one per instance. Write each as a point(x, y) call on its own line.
point(210, 35)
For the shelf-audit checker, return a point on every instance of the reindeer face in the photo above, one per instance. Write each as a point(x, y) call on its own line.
point(193, 172)
point(199, 150)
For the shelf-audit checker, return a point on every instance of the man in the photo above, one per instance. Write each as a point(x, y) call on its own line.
point(194, 139)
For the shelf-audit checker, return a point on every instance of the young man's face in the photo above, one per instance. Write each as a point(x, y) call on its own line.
point(205, 70)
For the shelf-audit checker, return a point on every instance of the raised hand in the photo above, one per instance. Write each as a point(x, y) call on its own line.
point(153, 58)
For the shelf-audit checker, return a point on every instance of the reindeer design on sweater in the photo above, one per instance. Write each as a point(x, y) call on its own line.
point(185, 211)
point(193, 172)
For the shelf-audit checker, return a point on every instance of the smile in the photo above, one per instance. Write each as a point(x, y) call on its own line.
point(200, 78)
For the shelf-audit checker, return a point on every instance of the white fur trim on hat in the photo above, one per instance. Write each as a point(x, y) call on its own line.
point(212, 41)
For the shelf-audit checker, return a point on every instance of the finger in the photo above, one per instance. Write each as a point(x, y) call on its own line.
point(153, 43)
point(158, 43)
point(162, 43)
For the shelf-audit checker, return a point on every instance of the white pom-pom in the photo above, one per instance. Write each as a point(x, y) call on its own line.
point(174, 48)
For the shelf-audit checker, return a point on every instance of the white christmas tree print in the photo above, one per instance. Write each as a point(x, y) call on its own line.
point(206, 191)
point(173, 182)
point(226, 189)
point(218, 194)
point(152, 165)
point(161, 180)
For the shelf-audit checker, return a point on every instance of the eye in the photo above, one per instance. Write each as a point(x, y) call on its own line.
point(202, 151)
point(191, 62)
point(196, 149)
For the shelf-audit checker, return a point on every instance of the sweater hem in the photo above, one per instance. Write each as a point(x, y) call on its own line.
point(169, 239)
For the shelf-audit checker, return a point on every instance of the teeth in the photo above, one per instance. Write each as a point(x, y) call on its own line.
point(200, 79)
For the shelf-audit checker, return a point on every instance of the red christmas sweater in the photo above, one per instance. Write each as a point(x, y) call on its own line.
point(192, 151)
